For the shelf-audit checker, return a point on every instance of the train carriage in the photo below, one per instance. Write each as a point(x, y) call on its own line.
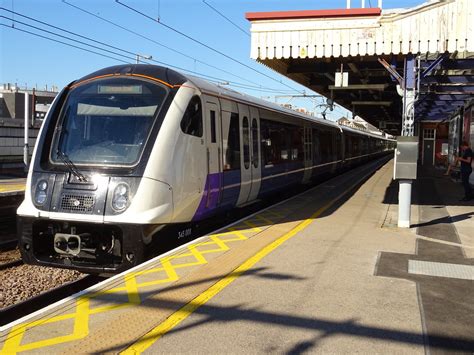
point(130, 150)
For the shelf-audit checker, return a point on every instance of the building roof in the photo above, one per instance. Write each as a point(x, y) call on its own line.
point(436, 26)
point(306, 14)
point(310, 47)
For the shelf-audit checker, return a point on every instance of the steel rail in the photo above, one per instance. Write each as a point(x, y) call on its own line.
point(21, 309)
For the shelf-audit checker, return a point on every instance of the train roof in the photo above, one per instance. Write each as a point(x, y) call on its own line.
point(208, 87)
point(175, 78)
point(167, 75)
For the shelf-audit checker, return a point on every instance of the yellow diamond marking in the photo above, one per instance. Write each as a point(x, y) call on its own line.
point(169, 265)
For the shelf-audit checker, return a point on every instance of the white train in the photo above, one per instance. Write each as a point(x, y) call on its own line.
point(131, 149)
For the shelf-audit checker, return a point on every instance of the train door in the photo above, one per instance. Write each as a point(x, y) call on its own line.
point(213, 151)
point(245, 169)
point(255, 161)
point(308, 152)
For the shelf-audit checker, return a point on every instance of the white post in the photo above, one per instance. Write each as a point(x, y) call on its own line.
point(404, 203)
point(27, 124)
point(404, 192)
point(363, 4)
point(379, 4)
point(348, 4)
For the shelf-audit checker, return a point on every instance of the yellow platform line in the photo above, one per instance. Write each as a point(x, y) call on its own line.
point(12, 188)
point(176, 318)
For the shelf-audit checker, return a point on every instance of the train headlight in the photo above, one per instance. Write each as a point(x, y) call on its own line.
point(41, 189)
point(121, 197)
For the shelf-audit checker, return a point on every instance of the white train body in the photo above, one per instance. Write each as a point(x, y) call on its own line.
point(129, 150)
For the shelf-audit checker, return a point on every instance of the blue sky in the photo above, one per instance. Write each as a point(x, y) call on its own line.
point(33, 61)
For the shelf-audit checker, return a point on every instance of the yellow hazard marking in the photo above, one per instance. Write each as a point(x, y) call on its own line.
point(152, 336)
point(252, 225)
point(166, 272)
point(81, 329)
point(262, 218)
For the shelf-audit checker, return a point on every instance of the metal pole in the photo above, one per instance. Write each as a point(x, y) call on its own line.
point(404, 192)
point(363, 4)
point(379, 4)
point(348, 4)
point(33, 108)
point(404, 203)
point(27, 125)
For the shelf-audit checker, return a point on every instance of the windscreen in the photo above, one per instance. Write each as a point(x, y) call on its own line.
point(107, 121)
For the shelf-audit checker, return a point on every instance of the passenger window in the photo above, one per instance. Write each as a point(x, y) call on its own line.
point(347, 146)
point(297, 143)
point(213, 126)
point(316, 147)
point(192, 119)
point(255, 142)
point(245, 132)
point(285, 142)
point(266, 143)
point(232, 151)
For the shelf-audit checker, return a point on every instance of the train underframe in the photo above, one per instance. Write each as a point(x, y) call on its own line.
point(85, 247)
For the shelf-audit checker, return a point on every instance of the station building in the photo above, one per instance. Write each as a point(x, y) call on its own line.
point(14, 102)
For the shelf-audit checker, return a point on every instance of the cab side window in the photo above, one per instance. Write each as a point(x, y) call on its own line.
point(192, 119)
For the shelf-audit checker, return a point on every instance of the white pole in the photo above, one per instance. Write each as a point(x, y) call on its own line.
point(348, 4)
point(404, 203)
point(363, 4)
point(379, 4)
point(27, 124)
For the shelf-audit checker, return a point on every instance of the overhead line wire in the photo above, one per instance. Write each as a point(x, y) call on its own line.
point(156, 42)
point(107, 56)
point(228, 19)
point(257, 88)
point(231, 83)
point(69, 38)
point(58, 41)
point(203, 44)
point(67, 31)
point(105, 44)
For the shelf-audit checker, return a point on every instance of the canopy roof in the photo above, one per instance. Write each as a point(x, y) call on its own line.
point(311, 46)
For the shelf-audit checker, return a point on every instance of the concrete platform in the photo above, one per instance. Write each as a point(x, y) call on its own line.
point(326, 271)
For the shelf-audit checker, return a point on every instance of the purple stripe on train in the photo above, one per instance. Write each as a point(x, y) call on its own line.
point(210, 197)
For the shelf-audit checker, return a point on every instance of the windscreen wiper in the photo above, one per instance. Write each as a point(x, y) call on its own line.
point(70, 166)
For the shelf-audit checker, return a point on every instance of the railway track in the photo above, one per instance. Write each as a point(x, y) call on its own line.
point(8, 245)
point(9, 258)
point(10, 264)
point(8, 238)
point(33, 304)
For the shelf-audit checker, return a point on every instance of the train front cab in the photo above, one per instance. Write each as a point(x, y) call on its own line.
point(82, 215)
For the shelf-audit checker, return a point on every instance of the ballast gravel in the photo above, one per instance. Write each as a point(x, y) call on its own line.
point(9, 255)
point(22, 282)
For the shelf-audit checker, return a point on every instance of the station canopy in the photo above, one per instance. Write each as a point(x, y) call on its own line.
point(314, 47)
